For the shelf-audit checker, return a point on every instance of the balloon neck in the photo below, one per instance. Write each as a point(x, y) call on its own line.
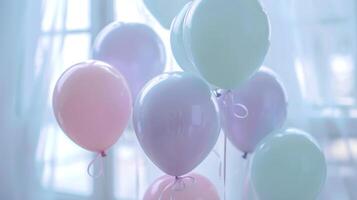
point(181, 182)
point(245, 155)
point(103, 154)
point(217, 93)
point(178, 185)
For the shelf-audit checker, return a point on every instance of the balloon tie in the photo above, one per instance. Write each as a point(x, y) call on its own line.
point(98, 158)
point(245, 156)
point(224, 166)
point(176, 186)
point(217, 93)
point(245, 193)
point(220, 163)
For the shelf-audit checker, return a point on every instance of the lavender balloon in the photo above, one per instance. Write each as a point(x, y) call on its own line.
point(176, 121)
point(265, 100)
point(134, 49)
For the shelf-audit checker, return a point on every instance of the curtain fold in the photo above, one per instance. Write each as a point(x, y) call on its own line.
point(23, 93)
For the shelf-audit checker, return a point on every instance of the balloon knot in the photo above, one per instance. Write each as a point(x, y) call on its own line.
point(245, 155)
point(177, 185)
point(217, 93)
point(103, 154)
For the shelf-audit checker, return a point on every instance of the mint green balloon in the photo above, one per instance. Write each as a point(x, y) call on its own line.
point(177, 44)
point(288, 166)
point(165, 10)
point(226, 39)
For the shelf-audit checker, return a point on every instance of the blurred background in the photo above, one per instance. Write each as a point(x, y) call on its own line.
point(313, 49)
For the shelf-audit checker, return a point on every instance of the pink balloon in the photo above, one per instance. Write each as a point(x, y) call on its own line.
point(92, 104)
point(192, 187)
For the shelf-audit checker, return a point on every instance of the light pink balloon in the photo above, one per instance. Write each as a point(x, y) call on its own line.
point(193, 187)
point(92, 104)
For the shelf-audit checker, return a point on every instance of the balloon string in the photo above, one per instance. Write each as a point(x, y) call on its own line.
point(245, 193)
point(90, 169)
point(137, 171)
point(177, 185)
point(224, 166)
point(220, 163)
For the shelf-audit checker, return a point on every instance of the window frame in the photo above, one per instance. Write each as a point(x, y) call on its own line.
point(100, 14)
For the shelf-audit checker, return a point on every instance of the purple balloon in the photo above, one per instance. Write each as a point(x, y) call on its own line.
point(134, 49)
point(263, 100)
point(176, 121)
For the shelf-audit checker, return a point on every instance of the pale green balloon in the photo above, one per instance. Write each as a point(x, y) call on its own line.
point(165, 10)
point(288, 166)
point(227, 39)
point(176, 40)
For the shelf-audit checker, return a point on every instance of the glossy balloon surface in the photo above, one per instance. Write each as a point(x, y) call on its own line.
point(165, 10)
point(177, 43)
point(226, 39)
point(176, 121)
point(92, 104)
point(290, 166)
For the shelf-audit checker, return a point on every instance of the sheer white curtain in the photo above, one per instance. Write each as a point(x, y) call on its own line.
point(20, 98)
point(41, 38)
point(314, 50)
point(25, 71)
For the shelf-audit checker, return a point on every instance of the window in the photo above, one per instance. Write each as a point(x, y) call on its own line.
point(322, 51)
point(65, 40)
point(326, 49)
point(69, 28)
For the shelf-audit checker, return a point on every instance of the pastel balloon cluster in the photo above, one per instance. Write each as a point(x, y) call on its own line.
point(178, 116)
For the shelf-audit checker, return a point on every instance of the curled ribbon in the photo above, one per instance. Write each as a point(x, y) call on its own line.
point(229, 102)
point(242, 107)
point(176, 186)
point(98, 158)
point(246, 183)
